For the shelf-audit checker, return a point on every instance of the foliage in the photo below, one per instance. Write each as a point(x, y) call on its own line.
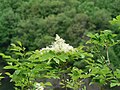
point(58, 61)
point(1, 77)
point(31, 67)
point(27, 69)
point(116, 29)
point(101, 70)
point(35, 22)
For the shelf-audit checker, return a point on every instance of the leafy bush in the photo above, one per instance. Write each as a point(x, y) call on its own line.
point(58, 61)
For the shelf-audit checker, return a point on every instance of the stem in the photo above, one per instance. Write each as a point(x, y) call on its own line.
point(22, 88)
point(108, 64)
point(108, 60)
point(65, 82)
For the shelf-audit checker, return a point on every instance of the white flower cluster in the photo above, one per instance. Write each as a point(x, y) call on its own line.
point(58, 46)
point(38, 86)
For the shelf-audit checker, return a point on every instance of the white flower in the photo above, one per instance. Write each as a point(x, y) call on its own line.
point(38, 86)
point(58, 46)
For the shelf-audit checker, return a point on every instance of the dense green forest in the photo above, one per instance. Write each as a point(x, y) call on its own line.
point(35, 23)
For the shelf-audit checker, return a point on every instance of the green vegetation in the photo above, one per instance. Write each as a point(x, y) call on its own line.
point(34, 23)
point(59, 62)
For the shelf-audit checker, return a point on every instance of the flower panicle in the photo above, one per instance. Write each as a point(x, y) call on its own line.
point(58, 46)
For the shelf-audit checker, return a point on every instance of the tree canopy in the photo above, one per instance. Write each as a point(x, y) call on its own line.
point(35, 22)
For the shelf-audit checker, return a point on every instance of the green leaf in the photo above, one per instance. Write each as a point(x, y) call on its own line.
point(56, 60)
point(5, 56)
point(17, 72)
point(12, 44)
point(63, 57)
point(48, 84)
point(1, 77)
point(19, 53)
point(19, 43)
point(10, 67)
point(7, 73)
point(113, 84)
point(44, 57)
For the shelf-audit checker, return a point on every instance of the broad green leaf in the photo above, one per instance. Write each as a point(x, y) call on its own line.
point(63, 57)
point(48, 84)
point(7, 73)
point(19, 43)
point(112, 84)
point(56, 60)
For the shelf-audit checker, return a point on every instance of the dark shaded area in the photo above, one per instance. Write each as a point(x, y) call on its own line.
point(6, 85)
